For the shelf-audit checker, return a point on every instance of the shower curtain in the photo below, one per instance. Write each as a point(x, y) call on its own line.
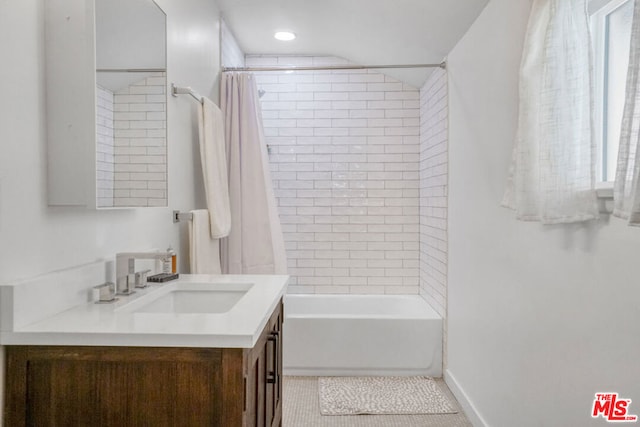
point(255, 244)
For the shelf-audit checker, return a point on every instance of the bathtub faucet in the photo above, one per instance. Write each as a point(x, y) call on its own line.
point(126, 276)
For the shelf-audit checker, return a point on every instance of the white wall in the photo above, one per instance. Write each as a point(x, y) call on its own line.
point(344, 161)
point(231, 55)
point(540, 318)
point(36, 239)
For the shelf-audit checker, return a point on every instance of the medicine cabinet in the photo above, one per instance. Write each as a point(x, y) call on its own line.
point(106, 103)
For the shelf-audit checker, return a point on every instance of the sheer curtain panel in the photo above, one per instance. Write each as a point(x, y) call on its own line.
point(626, 190)
point(551, 178)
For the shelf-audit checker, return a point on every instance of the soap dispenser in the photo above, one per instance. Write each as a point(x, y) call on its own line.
point(169, 264)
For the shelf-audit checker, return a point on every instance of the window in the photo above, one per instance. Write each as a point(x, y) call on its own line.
point(611, 35)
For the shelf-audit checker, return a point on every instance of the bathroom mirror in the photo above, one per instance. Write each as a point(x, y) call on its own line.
point(131, 142)
point(106, 103)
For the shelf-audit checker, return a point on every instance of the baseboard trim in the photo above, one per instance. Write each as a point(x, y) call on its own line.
point(469, 410)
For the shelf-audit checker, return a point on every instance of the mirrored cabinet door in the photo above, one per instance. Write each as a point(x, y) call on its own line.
point(106, 103)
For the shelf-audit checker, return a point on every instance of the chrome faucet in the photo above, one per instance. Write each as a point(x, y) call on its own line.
point(126, 276)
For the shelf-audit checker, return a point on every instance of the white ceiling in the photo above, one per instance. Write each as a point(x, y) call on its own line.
point(362, 31)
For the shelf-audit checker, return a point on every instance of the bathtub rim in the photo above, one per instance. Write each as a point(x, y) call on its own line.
point(429, 314)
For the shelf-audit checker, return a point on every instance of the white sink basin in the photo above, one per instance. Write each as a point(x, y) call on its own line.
point(191, 298)
point(193, 302)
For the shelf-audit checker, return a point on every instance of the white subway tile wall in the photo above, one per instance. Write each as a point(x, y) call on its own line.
point(105, 148)
point(232, 55)
point(433, 190)
point(345, 152)
point(140, 155)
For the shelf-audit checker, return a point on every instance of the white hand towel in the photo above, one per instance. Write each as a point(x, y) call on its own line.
point(204, 252)
point(214, 167)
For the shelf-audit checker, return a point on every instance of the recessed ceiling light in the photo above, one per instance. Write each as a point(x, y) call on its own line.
point(284, 35)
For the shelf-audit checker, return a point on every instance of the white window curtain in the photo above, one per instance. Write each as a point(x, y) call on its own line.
point(626, 190)
point(551, 178)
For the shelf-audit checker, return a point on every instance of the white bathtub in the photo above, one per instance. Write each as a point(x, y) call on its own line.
point(361, 335)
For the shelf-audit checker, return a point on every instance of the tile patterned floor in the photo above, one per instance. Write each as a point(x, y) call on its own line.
point(301, 409)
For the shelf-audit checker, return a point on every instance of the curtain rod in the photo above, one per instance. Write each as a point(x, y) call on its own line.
point(131, 70)
point(443, 65)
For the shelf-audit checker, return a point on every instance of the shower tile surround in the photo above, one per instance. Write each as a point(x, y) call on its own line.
point(433, 190)
point(105, 147)
point(132, 144)
point(434, 175)
point(345, 156)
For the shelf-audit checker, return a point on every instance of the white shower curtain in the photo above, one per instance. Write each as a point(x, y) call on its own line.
point(255, 244)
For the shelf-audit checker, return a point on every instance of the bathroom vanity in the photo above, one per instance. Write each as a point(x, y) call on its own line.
point(205, 350)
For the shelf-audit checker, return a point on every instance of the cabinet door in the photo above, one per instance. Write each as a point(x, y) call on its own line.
point(264, 377)
point(255, 387)
point(271, 377)
point(274, 371)
point(70, 102)
point(113, 387)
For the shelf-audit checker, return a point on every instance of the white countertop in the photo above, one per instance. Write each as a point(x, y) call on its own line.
point(119, 324)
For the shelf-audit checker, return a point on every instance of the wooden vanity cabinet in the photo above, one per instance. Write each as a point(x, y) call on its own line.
point(143, 386)
point(263, 377)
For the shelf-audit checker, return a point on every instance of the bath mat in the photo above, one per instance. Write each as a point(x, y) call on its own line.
point(382, 396)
